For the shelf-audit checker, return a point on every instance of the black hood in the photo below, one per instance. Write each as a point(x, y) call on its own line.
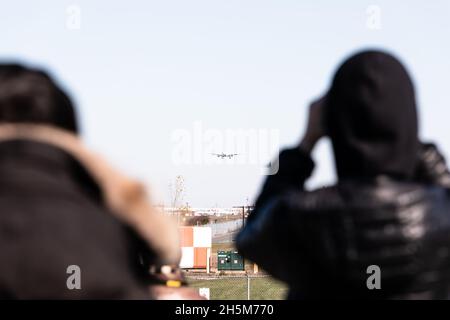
point(371, 118)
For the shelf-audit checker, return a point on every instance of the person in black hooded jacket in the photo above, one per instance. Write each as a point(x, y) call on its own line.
point(390, 207)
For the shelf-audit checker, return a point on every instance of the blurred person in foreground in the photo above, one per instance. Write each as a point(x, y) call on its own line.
point(390, 207)
point(62, 205)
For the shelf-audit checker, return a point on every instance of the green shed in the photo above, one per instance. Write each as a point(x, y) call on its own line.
point(230, 260)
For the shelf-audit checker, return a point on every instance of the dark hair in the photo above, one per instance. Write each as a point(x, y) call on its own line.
point(31, 96)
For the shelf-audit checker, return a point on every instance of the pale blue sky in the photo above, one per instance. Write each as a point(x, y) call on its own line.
point(138, 70)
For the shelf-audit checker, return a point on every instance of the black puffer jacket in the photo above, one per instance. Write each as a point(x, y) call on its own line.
point(322, 242)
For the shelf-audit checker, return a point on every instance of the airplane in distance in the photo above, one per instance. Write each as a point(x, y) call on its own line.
point(225, 155)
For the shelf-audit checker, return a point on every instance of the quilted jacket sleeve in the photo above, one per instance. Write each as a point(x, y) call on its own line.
point(432, 168)
point(263, 231)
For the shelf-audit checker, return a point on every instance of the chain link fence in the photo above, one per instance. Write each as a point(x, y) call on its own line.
point(239, 287)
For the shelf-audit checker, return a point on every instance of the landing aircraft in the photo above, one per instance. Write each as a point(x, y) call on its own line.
point(225, 155)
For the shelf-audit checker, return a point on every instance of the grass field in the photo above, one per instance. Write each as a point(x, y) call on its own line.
point(235, 288)
point(227, 288)
point(222, 247)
